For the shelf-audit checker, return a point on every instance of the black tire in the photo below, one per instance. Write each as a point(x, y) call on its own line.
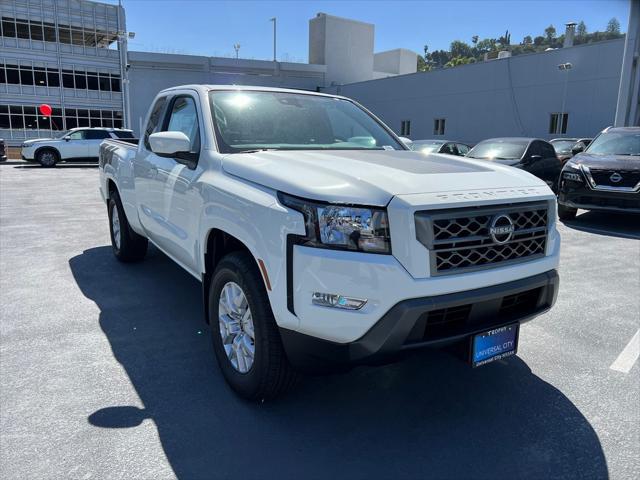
point(131, 246)
point(48, 157)
point(271, 374)
point(566, 213)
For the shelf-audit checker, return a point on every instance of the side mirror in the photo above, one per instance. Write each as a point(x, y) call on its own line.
point(169, 144)
point(577, 149)
point(66, 139)
point(406, 141)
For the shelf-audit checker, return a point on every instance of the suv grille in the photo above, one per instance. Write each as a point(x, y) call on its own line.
point(628, 178)
point(461, 239)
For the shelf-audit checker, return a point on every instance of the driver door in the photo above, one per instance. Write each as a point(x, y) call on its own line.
point(75, 145)
point(170, 203)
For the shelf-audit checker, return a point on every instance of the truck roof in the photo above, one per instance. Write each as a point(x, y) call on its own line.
point(208, 88)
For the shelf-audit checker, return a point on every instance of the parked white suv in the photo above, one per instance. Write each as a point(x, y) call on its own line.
point(72, 145)
point(321, 241)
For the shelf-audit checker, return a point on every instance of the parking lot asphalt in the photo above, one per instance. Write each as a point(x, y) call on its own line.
point(107, 370)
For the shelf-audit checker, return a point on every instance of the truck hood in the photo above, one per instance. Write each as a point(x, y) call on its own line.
point(607, 162)
point(369, 177)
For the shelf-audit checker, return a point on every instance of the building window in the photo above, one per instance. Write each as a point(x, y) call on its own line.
point(438, 126)
point(41, 77)
point(558, 123)
point(405, 128)
point(27, 117)
point(38, 30)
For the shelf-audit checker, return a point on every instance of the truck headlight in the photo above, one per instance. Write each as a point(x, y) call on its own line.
point(344, 227)
point(572, 172)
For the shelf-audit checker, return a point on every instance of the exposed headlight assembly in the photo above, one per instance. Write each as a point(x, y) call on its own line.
point(343, 227)
point(572, 172)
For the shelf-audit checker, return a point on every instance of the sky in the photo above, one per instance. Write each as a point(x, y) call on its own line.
point(211, 28)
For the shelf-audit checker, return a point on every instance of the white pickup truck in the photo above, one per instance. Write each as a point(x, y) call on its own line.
point(320, 240)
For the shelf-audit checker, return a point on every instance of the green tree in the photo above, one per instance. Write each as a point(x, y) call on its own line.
point(486, 45)
point(550, 33)
point(454, 62)
point(460, 49)
point(422, 65)
point(505, 40)
point(538, 41)
point(581, 30)
point(527, 40)
point(613, 27)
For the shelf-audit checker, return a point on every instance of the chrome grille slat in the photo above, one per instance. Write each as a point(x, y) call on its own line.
point(460, 240)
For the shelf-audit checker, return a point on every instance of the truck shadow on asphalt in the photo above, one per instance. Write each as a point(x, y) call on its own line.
point(428, 416)
point(605, 223)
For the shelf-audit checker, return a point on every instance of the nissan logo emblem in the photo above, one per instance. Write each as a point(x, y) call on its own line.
point(501, 229)
point(615, 177)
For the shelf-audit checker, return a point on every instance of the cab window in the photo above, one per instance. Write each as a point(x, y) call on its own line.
point(154, 120)
point(184, 118)
point(462, 148)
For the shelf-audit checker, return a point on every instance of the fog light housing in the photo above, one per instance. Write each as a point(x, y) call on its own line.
point(337, 301)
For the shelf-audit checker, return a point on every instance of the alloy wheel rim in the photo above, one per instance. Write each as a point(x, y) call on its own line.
point(236, 327)
point(48, 158)
point(115, 226)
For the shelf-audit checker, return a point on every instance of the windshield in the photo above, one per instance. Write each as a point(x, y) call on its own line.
point(616, 143)
point(426, 146)
point(499, 149)
point(563, 146)
point(253, 120)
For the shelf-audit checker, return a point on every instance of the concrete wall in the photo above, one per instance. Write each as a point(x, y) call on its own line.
point(513, 96)
point(345, 46)
point(151, 72)
point(399, 61)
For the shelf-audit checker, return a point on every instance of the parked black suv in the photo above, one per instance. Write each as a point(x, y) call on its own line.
point(534, 155)
point(606, 176)
point(3, 152)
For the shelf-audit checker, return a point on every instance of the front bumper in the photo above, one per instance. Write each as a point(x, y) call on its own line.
point(428, 321)
point(579, 195)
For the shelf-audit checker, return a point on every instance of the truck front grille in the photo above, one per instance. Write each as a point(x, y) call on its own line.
point(482, 237)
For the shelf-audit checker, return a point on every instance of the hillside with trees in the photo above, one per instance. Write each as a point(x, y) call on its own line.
point(462, 53)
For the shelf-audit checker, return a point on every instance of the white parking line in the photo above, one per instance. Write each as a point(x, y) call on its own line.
point(628, 356)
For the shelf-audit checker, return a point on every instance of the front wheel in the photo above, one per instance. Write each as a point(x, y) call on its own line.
point(127, 245)
point(47, 158)
point(246, 339)
point(566, 213)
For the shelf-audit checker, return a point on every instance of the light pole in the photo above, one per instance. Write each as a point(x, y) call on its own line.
point(123, 51)
point(564, 67)
point(236, 47)
point(274, 37)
